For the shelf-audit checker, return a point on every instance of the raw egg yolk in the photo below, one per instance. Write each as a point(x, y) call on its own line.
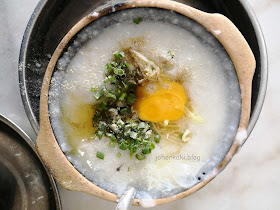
point(157, 102)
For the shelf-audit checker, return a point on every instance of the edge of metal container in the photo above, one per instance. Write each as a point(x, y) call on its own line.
point(260, 39)
point(264, 66)
point(21, 65)
point(23, 135)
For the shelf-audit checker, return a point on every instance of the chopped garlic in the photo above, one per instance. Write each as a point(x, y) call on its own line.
point(115, 128)
point(120, 122)
point(113, 112)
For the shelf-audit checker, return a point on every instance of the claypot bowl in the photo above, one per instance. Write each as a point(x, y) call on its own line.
point(231, 39)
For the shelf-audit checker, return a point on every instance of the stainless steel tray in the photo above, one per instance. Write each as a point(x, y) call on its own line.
point(24, 182)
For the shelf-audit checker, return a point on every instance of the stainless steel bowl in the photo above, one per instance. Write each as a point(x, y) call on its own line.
point(24, 182)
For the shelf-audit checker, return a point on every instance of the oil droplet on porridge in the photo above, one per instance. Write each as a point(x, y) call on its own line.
point(77, 121)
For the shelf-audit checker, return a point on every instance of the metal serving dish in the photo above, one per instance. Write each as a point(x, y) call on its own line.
point(24, 182)
point(51, 20)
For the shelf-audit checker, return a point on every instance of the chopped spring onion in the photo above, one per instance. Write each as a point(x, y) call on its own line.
point(146, 150)
point(112, 136)
point(123, 146)
point(100, 155)
point(103, 105)
point(100, 134)
point(122, 97)
point(157, 138)
point(111, 96)
point(94, 90)
point(137, 20)
point(123, 110)
point(112, 144)
point(98, 95)
point(133, 135)
point(171, 54)
point(140, 156)
point(114, 117)
point(119, 72)
point(141, 126)
point(131, 99)
point(119, 55)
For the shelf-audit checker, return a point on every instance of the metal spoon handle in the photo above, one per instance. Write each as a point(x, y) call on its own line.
point(126, 199)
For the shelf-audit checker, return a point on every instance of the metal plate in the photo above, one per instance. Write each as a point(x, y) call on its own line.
point(24, 182)
point(42, 36)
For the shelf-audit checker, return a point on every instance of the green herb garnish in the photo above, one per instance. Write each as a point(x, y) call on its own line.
point(140, 156)
point(112, 144)
point(122, 97)
point(131, 99)
point(137, 20)
point(100, 155)
point(119, 55)
point(99, 134)
point(94, 90)
point(98, 95)
point(114, 117)
point(157, 138)
point(171, 54)
point(181, 135)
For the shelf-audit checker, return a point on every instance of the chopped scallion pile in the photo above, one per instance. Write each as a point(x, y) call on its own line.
point(114, 117)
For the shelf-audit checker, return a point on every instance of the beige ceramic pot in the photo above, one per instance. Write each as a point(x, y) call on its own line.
point(226, 33)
